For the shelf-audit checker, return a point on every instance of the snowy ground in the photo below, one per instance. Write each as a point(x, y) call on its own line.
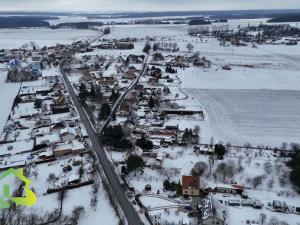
point(256, 101)
point(254, 163)
point(257, 105)
point(103, 212)
point(266, 117)
point(8, 93)
point(15, 38)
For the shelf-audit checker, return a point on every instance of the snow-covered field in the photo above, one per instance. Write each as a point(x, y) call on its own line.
point(256, 101)
point(8, 93)
point(258, 104)
point(265, 117)
point(15, 38)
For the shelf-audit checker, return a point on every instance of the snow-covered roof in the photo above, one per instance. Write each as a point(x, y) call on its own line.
point(16, 147)
point(47, 139)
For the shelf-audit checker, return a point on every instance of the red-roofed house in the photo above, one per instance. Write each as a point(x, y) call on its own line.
point(191, 185)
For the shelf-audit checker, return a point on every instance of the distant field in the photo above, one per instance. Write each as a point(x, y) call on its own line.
point(266, 117)
point(15, 38)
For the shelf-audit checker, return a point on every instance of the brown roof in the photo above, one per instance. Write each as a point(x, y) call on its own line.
point(238, 186)
point(190, 181)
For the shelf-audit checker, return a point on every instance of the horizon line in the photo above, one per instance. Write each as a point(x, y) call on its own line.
point(141, 11)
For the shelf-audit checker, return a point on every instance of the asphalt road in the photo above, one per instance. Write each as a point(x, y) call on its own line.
point(112, 177)
point(121, 98)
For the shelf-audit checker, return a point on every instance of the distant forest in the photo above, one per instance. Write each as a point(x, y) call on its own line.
point(199, 22)
point(25, 21)
point(78, 25)
point(230, 14)
point(286, 18)
point(39, 21)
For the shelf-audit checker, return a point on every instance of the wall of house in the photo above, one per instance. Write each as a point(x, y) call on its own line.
point(213, 221)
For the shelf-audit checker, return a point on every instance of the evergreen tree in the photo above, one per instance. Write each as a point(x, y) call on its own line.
point(220, 150)
point(104, 112)
point(82, 91)
point(151, 102)
point(294, 164)
point(155, 47)
point(134, 162)
point(144, 143)
point(179, 189)
point(166, 184)
point(93, 92)
point(147, 48)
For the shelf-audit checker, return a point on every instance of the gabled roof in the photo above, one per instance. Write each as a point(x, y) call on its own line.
point(191, 182)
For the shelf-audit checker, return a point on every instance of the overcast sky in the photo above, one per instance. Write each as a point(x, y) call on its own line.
point(143, 5)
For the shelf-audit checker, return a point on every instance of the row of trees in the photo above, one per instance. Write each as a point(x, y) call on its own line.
point(114, 136)
point(294, 164)
point(104, 112)
point(20, 216)
point(144, 143)
point(173, 186)
point(165, 46)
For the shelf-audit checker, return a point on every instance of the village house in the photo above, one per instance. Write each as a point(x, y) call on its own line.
point(230, 189)
point(72, 147)
point(67, 135)
point(130, 73)
point(204, 149)
point(135, 59)
point(191, 185)
point(107, 80)
point(213, 220)
point(60, 105)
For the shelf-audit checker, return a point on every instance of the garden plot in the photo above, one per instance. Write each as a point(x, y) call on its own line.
point(255, 116)
point(8, 92)
point(262, 172)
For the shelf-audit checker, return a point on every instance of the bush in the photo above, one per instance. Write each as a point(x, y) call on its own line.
point(134, 162)
point(144, 144)
point(294, 164)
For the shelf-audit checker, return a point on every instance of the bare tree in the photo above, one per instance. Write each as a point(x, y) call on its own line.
point(271, 183)
point(76, 213)
point(273, 221)
point(225, 170)
point(256, 181)
point(25, 46)
point(95, 187)
point(268, 167)
point(199, 168)
point(284, 146)
point(197, 129)
point(94, 201)
point(190, 47)
point(61, 195)
point(262, 218)
point(51, 178)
